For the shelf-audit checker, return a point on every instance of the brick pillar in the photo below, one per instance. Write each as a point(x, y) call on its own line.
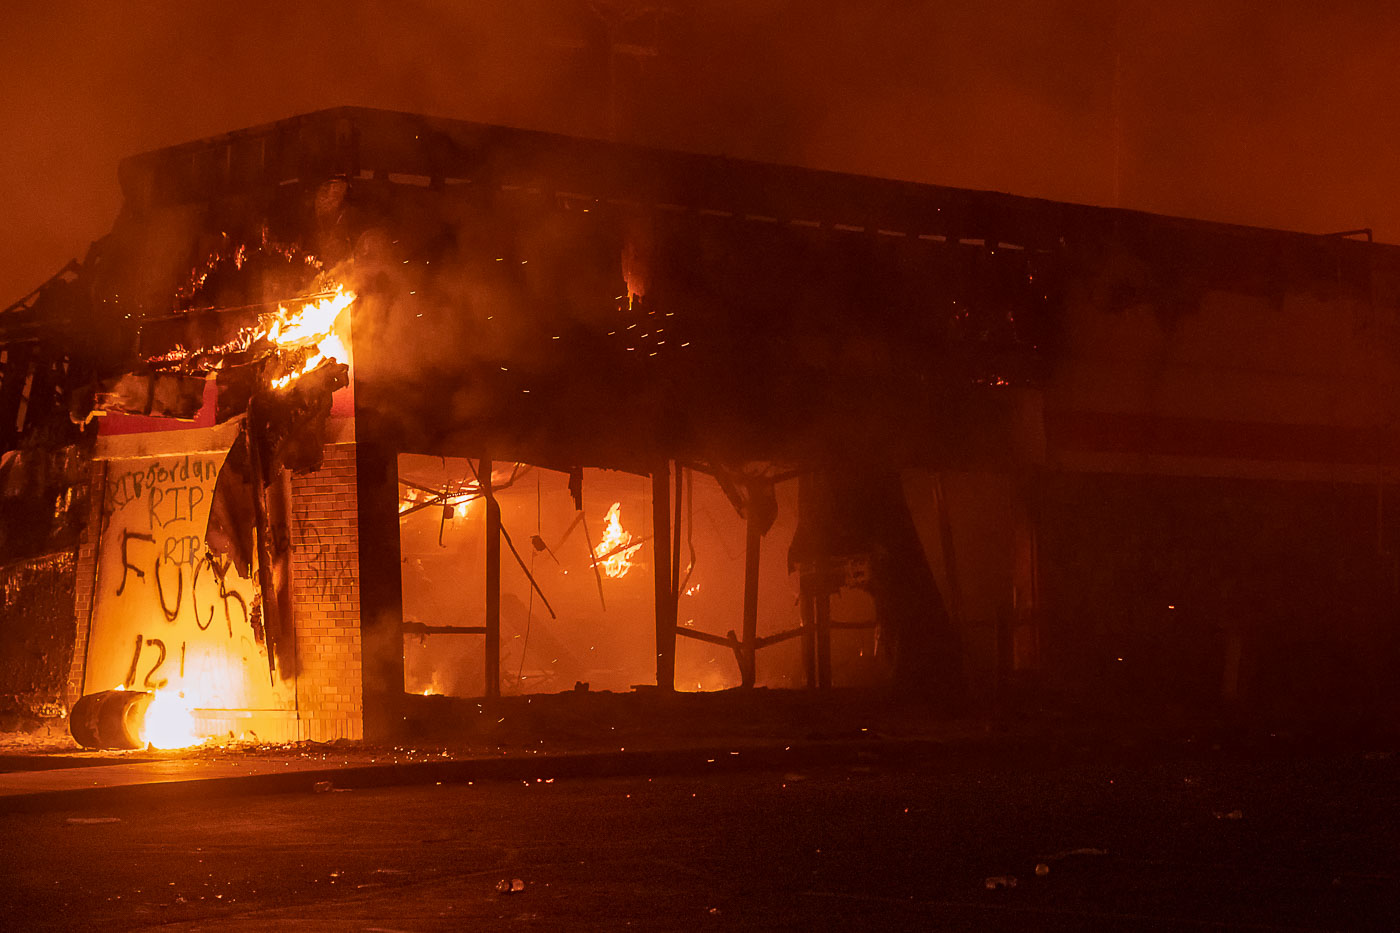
point(326, 597)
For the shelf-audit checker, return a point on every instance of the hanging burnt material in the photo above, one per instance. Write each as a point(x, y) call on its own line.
point(854, 528)
point(283, 432)
point(229, 533)
point(163, 394)
point(53, 346)
point(292, 421)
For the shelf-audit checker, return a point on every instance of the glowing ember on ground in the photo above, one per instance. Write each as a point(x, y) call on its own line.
point(169, 722)
point(614, 552)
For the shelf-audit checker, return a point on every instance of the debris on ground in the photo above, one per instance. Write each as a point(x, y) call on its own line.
point(1070, 853)
point(999, 882)
point(510, 886)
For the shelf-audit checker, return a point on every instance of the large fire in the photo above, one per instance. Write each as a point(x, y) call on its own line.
point(313, 327)
point(614, 552)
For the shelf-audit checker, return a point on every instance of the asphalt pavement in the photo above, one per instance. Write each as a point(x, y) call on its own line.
point(770, 814)
point(966, 838)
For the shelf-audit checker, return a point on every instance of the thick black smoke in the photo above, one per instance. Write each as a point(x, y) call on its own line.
point(1282, 113)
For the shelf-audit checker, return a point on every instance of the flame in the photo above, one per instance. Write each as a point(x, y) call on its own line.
point(310, 326)
point(614, 552)
point(313, 326)
point(635, 265)
point(169, 721)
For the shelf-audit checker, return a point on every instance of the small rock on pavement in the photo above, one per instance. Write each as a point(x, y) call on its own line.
point(1231, 815)
point(998, 882)
point(510, 886)
point(1041, 870)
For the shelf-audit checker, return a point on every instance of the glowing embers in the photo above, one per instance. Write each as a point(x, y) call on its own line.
point(312, 329)
point(614, 552)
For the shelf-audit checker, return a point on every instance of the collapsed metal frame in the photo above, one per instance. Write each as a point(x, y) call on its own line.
point(817, 584)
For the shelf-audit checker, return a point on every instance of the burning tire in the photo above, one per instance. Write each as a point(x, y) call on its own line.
point(110, 719)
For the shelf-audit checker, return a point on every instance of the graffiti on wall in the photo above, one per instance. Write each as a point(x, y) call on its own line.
point(329, 569)
point(166, 613)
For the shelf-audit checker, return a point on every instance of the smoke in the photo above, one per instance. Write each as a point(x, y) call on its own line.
point(1278, 114)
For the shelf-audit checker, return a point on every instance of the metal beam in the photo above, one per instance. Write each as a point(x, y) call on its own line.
point(665, 595)
point(493, 581)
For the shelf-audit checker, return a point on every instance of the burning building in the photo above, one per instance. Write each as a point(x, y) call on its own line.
point(364, 406)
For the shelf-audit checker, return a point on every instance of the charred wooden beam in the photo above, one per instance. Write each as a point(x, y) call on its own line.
point(419, 628)
point(946, 545)
point(269, 627)
point(15, 377)
point(822, 623)
point(592, 557)
point(806, 609)
point(703, 636)
point(753, 539)
point(520, 562)
point(777, 637)
point(493, 581)
point(676, 539)
point(380, 578)
point(665, 596)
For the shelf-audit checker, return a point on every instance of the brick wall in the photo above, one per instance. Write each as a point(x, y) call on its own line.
point(325, 587)
point(86, 577)
point(326, 593)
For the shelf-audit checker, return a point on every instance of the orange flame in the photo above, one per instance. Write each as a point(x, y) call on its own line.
point(312, 326)
point(614, 552)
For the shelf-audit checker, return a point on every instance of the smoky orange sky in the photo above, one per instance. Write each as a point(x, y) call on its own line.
point(1273, 112)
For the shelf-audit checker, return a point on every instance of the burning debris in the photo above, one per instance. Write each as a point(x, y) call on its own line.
point(615, 550)
point(128, 719)
point(311, 330)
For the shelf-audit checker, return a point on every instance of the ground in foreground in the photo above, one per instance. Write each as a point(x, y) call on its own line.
point(1127, 841)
